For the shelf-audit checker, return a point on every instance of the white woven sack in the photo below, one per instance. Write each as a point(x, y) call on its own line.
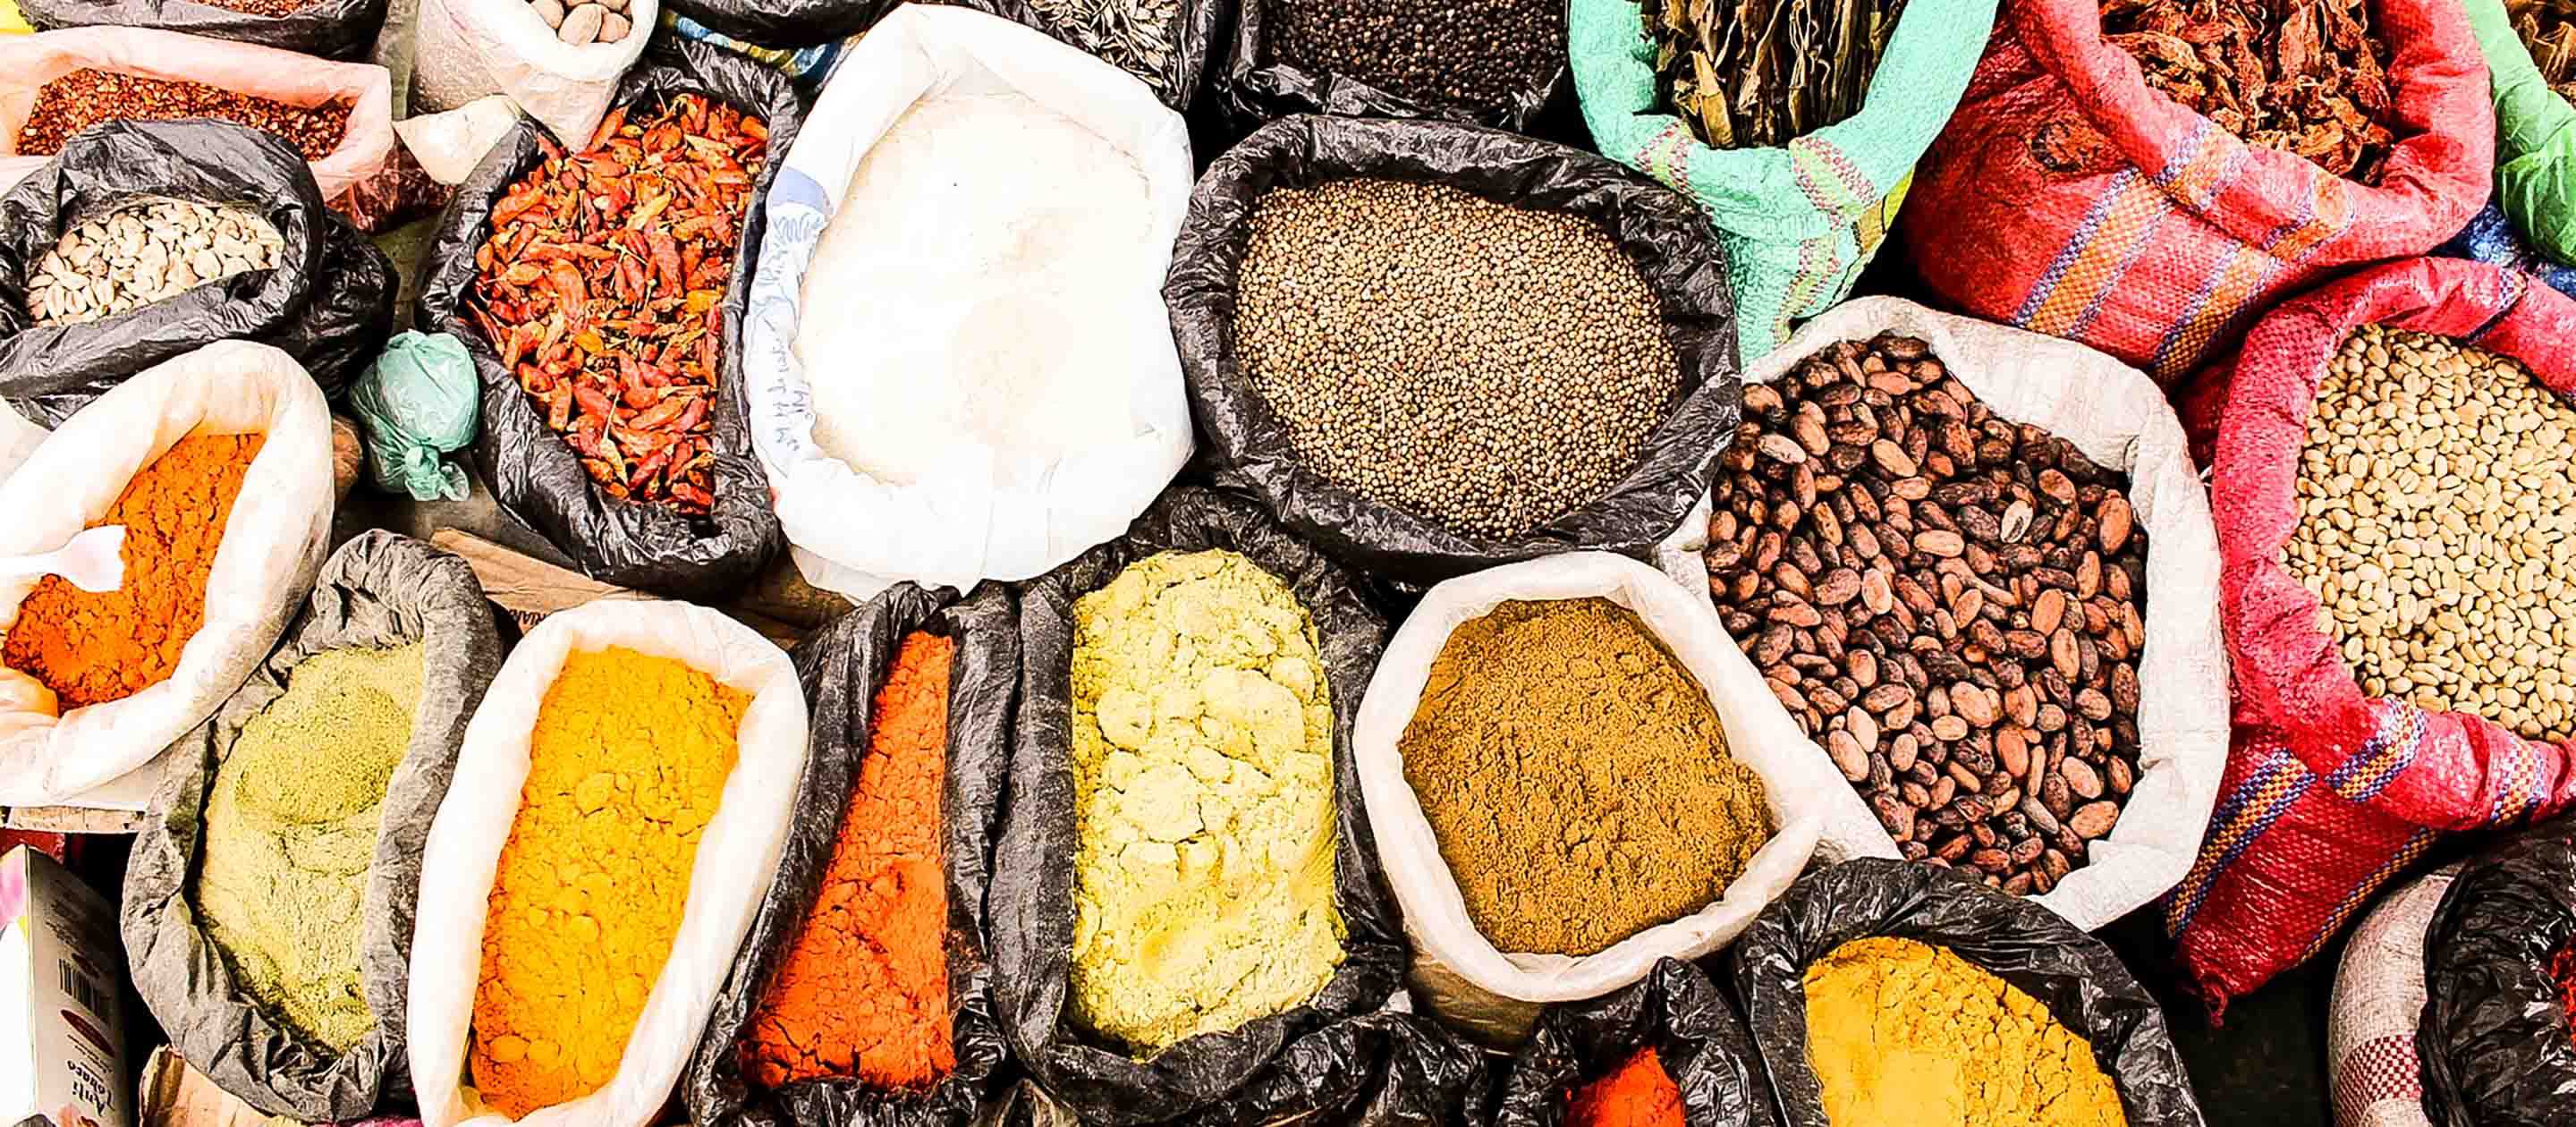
point(855, 533)
point(467, 49)
point(106, 755)
point(737, 856)
point(18, 439)
point(2118, 418)
point(2372, 1071)
point(1467, 978)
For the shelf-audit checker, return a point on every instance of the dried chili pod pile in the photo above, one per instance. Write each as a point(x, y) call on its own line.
point(1756, 74)
point(85, 97)
point(2303, 76)
point(602, 284)
point(2548, 27)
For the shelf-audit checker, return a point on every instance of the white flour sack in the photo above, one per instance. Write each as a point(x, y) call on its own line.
point(977, 219)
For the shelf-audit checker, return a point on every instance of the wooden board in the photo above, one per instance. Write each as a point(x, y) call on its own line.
point(530, 589)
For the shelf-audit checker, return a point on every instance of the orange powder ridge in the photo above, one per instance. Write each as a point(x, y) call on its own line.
point(1637, 1094)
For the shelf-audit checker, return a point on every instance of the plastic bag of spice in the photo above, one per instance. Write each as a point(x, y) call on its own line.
point(1172, 59)
point(364, 142)
point(1471, 978)
point(1793, 248)
point(332, 29)
point(1001, 479)
point(328, 302)
point(2120, 421)
point(845, 668)
point(1308, 1058)
point(2371, 1062)
point(2081, 984)
point(1699, 1043)
point(272, 544)
point(2330, 790)
point(1490, 62)
point(732, 856)
point(2535, 137)
point(378, 592)
point(528, 465)
point(1249, 446)
point(1384, 1069)
point(468, 49)
point(2495, 1039)
point(2069, 197)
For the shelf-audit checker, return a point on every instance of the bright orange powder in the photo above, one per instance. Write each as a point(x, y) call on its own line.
point(864, 993)
point(1637, 1094)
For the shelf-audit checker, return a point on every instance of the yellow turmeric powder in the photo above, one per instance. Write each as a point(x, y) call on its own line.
point(625, 768)
point(1904, 1034)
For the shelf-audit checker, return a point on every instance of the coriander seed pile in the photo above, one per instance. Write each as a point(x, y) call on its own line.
point(2435, 511)
point(1485, 366)
point(1476, 54)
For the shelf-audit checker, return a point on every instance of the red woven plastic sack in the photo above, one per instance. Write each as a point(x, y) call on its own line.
point(2330, 793)
point(2068, 197)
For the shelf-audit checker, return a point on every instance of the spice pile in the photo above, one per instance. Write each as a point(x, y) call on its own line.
point(626, 766)
point(1639, 1093)
point(2303, 76)
point(1902, 1033)
point(95, 648)
point(290, 834)
point(1576, 778)
point(1135, 35)
point(864, 991)
point(2437, 529)
point(1486, 366)
point(2548, 28)
point(582, 22)
point(1202, 764)
point(84, 98)
point(271, 8)
point(1748, 74)
point(1474, 54)
point(2562, 974)
point(1950, 603)
point(146, 251)
point(602, 286)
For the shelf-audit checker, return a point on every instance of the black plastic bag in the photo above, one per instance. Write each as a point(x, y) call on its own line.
point(1258, 87)
point(1210, 1077)
point(842, 667)
point(1246, 446)
point(531, 472)
point(2084, 985)
point(379, 590)
point(1195, 27)
point(329, 302)
point(344, 30)
point(2493, 1039)
point(1385, 1069)
point(785, 24)
point(1674, 1010)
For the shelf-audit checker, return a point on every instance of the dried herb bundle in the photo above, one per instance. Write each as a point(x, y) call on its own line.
point(1755, 74)
point(2548, 27)
point(2302, 76)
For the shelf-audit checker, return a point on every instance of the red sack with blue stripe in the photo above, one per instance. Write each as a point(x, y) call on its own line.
point(2329, 792)
point(2070, 198)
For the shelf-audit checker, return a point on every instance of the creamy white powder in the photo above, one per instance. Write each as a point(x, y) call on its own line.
point(979, 286)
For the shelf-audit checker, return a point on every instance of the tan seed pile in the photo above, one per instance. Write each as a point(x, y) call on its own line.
point(2435, 518)
point(1485, 366)
point(146, 251)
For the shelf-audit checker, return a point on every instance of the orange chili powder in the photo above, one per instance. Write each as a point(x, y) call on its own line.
point(1636, 1094)
point(95, 648)
point(864, 992)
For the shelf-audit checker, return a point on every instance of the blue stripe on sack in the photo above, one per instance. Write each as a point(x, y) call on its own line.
point(2388, 752)
point(2276, 785)
point(2094, 217)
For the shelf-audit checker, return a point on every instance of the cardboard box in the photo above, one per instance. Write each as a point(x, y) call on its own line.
point(62, 1035)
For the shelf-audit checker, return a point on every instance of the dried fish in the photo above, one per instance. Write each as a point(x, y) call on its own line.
point(1760, 73)
point(2303, 76)
point(2548, 27)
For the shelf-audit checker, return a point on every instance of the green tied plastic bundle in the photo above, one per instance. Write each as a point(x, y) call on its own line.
point(2535, 138)
point(418, 401)
point(1800, 221)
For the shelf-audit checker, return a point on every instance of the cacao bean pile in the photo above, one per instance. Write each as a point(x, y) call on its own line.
point(2302, 76)
point(84, 98)
point(145, 251)
point(1951, 603)
point(2437, 529)
point(602, 287)
point(1473, 54)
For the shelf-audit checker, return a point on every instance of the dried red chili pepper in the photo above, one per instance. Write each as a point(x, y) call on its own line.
point(2302, 76)
point(2562, 972)
point(611, 328)
point(84, 98)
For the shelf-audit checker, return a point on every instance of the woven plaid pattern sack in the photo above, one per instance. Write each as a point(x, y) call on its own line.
point(1800, 221)
point(2330, 793)
point(2068, 197)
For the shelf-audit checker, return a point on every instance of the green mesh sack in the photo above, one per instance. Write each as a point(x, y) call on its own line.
point(1798, 222)
point(2535, 138)
point(418, 401)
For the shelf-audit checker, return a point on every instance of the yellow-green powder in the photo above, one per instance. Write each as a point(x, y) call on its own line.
point(1203, 802)
point(290, 832)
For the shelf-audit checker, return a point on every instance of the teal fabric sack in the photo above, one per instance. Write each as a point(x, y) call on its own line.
point(2535, 138)
point(1798, 222)
point(418, 401)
